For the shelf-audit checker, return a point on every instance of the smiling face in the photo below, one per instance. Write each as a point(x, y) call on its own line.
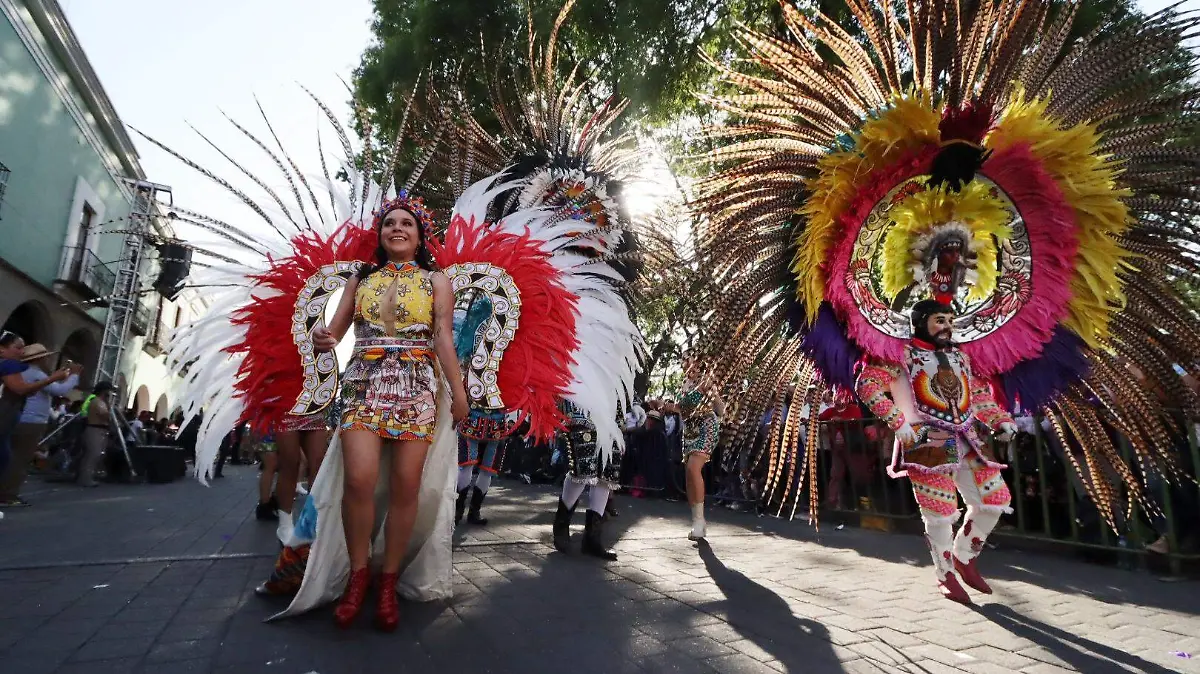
point(941, 328)
point(400, 235)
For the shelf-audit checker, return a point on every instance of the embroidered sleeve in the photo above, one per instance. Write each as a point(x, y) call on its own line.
point(984, 405)
point(873, 386)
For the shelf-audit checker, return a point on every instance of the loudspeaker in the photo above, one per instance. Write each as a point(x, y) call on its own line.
point(160, 464)
point(175, 265)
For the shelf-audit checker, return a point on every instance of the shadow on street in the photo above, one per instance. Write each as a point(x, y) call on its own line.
point(764, 618)
point(1079, 653)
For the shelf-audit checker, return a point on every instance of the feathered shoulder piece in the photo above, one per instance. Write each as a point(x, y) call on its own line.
point(556, 156)
point(1043, 185)
point(250, 358)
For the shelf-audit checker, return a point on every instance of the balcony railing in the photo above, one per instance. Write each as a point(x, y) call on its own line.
point(88, 273)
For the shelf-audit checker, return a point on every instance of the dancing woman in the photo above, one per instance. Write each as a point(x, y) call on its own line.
point(702, 411)
point(402, 312)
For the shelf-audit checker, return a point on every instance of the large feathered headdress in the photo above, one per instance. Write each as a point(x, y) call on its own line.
point(1044, 184)
point(250, 359)
point(556, 154)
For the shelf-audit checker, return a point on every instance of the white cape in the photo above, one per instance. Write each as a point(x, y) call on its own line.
point(427, 571)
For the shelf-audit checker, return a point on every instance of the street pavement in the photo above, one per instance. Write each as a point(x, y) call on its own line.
point(160, 578)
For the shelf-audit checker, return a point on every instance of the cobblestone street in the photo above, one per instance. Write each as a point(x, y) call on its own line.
point(160, 578)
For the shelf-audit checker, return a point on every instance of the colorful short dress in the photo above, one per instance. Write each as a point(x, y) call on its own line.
point(701, 426)
point(388, 386)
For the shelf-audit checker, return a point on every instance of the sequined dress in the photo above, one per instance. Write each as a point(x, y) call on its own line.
point(388, 386)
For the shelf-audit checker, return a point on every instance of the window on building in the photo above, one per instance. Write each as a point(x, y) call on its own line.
point(4, 173)
point(80, 261)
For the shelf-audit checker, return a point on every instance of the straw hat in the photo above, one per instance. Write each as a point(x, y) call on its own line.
point(34, 352)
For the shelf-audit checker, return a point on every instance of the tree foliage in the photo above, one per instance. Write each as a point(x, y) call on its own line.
point(649, 51)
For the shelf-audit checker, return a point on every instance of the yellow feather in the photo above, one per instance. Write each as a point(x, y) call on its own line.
point(984, 215)
point(909, 123)
point(1089, 184)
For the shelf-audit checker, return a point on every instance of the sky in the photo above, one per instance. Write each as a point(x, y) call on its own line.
point(168, 63)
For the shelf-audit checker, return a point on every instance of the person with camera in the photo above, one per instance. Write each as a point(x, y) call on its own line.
point(35, 417)
point(14, 390)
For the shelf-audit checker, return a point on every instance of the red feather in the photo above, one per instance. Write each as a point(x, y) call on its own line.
point(969, 123)
point(535, 372)
point(271, 376)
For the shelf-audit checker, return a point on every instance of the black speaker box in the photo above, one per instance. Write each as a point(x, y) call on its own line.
point(175, 265)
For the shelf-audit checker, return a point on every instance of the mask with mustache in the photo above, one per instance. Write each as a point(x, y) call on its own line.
point(938, 332)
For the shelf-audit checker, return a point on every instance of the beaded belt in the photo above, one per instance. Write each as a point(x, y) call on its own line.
point(392, 343)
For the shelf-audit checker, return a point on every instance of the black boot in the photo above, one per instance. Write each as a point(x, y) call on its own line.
point(460, 505)
point(264, 512)
point(473, 513)
point(562, 527)
point(593, 535)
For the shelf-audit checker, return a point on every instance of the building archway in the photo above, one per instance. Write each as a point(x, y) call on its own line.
point(162, 407)
point(31, 321)
point(81, 347)
point(141, 400)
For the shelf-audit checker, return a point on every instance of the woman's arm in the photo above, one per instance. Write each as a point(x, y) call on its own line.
point(443, 340)
point(344, 315)
point(16, 382)
point(326, 337)
point(63, 387)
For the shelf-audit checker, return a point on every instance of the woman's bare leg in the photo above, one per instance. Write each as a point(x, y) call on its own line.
point(408, 462)
point(315, 444)
point(287, 445)
point(695, 478)
point(360, 456)
point(695, 493)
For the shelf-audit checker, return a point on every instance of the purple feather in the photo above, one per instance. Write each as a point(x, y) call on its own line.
point(827, 344)
point(1035, 381)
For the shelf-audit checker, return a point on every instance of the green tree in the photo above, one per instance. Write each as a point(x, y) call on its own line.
point(649, 51)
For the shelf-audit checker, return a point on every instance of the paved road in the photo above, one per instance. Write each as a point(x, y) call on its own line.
point(159, 578)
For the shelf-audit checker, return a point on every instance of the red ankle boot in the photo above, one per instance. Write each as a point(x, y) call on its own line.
point(388, 615)
point(352, 599)
point(953, 591)
point(969, 572)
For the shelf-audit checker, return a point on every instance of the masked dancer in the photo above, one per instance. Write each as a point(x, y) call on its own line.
point(931, 400)
point(1018, 177)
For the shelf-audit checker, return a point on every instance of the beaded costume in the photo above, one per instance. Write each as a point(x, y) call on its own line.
point(388, 386)
point(533, 261)
point(557, 144)
point(1036, 176)
point(586, 464)
point(933, 394)
point(701, 425)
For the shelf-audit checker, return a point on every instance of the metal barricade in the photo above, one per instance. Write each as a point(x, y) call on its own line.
point(1050, 505)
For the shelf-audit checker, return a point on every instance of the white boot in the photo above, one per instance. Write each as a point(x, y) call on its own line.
point(698, 529)
point(284, 531)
